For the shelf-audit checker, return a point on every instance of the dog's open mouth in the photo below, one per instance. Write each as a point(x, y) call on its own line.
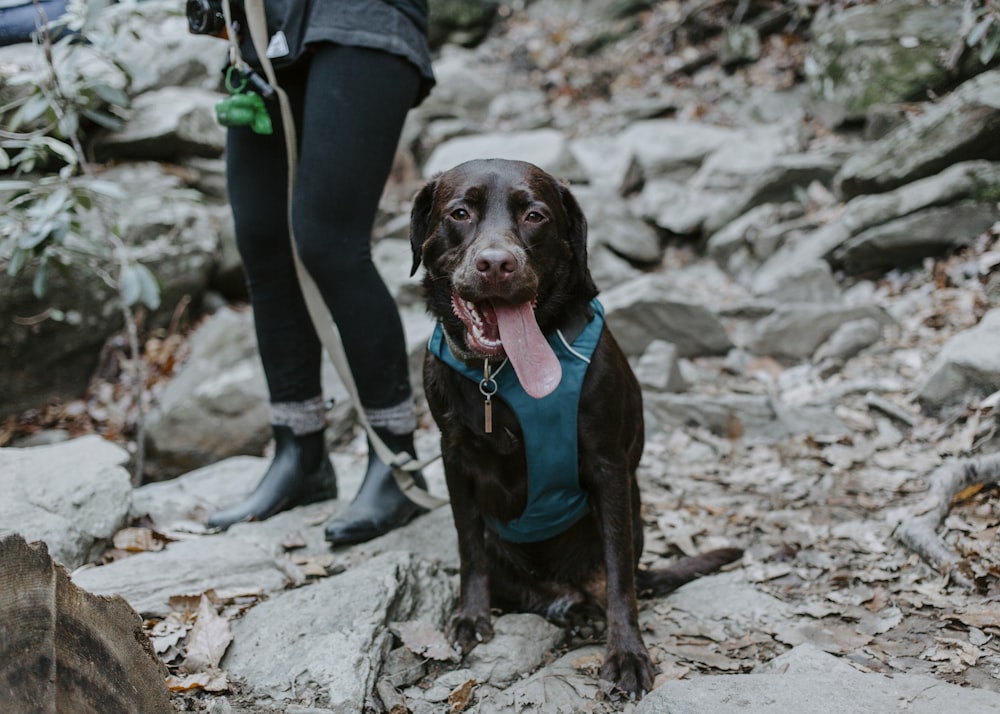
point(495, 328)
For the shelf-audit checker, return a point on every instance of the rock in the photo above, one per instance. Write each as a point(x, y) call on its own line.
point(73, 496)
point(465, 89)
point(735, 178)
point(798, 679)
point(644, 309)
point(679, 209)
point(224, 563)
point(972, 179)
point(740, 44)
point(849, 339)
point(315, 638)
point(667, 148)
point(546, 148)
point(658, 368)
point(962, 127)
point(222, 385)
point(876, 54)
point(809, 282)
point(906, 241)
point(170, 56)
point(165, 124)
point(610, 223)
point(50, 359)
point(521, 642)
point(735, 415)
point(192, 496)
point(753, 237)
point(968, 366)
point(562, 686)
point(794, 331)
point(607, 166)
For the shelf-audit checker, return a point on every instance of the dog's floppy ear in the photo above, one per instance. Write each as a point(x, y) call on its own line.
point(577, 234)
point(420, 219)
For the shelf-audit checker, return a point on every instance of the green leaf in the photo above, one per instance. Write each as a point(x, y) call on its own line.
point(40, 283)
point(990, 47)
point(149, 287)
point(33, 107)
point(104, 119)
point(111, 95)
point(61, 149)
point(106, 188)
point(131, 285)
point(976, 34)
point(17, 261)
point(34, 237)
point(69, 124)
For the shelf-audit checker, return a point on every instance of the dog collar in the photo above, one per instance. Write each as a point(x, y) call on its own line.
point(549, 431)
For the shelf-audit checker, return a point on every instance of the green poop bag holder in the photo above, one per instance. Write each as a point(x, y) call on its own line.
point(243, 106)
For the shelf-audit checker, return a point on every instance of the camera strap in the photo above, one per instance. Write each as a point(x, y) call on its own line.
point(403, 465)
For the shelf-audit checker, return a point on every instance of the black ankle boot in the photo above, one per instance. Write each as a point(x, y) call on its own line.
point(300, 473)
point(379, 506)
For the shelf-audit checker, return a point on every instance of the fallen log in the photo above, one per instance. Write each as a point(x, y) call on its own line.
point(919, 532)
point(63, 649)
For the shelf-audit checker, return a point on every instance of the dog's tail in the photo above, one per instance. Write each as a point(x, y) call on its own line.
point(660, 581)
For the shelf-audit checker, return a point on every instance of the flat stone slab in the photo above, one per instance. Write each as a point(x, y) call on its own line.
point(808, 680)
point(222, 563)
point(332, 636)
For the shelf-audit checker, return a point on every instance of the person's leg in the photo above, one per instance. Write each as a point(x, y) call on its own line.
point(257, 169)
point(355, 103)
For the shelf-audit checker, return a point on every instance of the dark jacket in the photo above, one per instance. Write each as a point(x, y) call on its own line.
point(395, 26)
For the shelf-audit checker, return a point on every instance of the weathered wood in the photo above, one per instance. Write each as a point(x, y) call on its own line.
point(919, 532)
point(63, 649)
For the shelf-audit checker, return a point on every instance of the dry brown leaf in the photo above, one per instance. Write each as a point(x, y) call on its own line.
point(425, 640)
point(318, 566)
point(210, 681)
point(208, 640)
point(460, 696)
point(139, 540)
point(292, 541)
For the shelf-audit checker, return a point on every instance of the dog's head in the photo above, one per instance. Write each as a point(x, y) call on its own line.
point(502, 243)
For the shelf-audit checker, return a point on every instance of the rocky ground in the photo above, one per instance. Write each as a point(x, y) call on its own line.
point(812, 360)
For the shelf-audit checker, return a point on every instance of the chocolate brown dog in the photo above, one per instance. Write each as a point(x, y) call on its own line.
point(540, 415)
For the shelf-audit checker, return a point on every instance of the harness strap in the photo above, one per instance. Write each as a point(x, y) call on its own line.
point(403, 465)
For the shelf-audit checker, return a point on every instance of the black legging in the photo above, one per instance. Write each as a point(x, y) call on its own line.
point(349, 104)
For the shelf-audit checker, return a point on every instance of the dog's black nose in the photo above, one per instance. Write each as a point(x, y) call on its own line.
point(496, 264)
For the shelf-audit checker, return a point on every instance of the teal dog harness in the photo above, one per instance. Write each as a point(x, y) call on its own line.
point(549, 429)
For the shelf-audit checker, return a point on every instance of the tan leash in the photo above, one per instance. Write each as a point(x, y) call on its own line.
point(403, 465)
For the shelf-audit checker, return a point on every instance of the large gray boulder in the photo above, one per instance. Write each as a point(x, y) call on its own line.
point(166, 124)
point(908, 240)
point(645, 309)
point(962, 127)
point(316, 637)
point(47, 358)
point(966, 368)
point(73, 496)
point(971, 179)
point(877, 54)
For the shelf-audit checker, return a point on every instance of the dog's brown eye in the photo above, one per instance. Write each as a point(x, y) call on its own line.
point(460, 214)
point(534, 217)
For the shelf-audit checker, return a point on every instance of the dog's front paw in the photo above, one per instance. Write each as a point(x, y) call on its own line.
point(468, 631)
point(630, 672)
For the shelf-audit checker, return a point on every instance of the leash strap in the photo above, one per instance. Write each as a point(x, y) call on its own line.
point(403, 465)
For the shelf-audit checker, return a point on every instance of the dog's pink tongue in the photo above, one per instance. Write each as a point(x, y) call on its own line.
point(535, 364)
